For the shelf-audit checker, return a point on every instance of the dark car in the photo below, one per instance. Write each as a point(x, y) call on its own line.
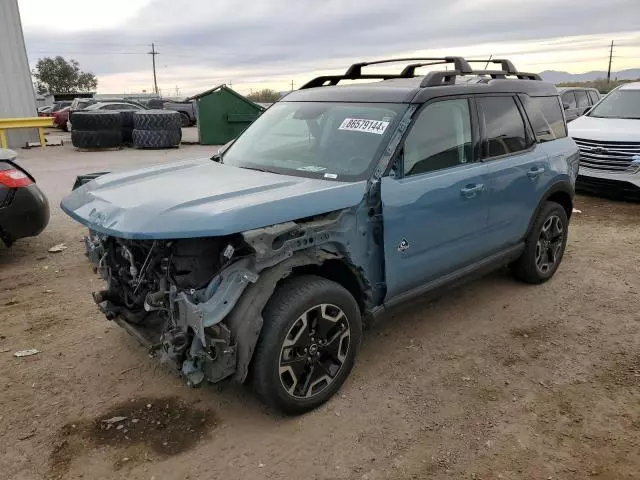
point(24, 209)
point(576, 101)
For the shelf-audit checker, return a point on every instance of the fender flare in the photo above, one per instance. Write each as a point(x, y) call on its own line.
point(562, 186)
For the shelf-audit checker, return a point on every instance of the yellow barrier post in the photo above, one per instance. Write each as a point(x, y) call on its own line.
point(28, 122)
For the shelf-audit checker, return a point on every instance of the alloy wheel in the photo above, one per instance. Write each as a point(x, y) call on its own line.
point(314, 351)
point(549, 244)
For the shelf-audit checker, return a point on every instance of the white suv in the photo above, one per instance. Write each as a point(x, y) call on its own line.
point(608, 136)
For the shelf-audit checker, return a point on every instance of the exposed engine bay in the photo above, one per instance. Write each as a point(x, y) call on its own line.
point(184, 299)
point(148, 283)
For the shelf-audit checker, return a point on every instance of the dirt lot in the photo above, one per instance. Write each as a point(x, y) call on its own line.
point(494, 380)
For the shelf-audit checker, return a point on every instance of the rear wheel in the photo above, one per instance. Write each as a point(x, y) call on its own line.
point(308, 344)
point(544, 246)
point(186, 121)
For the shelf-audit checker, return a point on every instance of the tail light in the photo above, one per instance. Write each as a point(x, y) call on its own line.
point(14, 178)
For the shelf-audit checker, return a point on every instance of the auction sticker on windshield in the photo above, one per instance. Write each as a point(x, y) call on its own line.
point(364, 125)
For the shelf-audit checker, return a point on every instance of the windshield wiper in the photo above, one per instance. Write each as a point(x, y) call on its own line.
point(256, 169)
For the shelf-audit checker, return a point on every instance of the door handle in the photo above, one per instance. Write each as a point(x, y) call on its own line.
point(535, 172)
point(471, 191)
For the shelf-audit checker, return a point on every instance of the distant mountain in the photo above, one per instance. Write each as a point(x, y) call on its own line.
point(555, 76)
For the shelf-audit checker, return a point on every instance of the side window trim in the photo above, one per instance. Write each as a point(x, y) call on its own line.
point(474, 120)
point(527, 129)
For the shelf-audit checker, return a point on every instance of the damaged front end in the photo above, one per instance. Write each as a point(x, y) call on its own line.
point(183, 299)
point(158, 291)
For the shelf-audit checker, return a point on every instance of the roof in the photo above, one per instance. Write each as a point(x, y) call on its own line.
point(630, 86)
point(408, 90)
point(227, 89)
point(564, 89)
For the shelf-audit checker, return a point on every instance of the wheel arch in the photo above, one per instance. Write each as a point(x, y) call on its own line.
point(561, 193)
point(245, 320)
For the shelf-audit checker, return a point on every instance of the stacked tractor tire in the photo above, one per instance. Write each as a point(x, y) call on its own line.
point(96, 129)
point(156, 129)
point(137, 128)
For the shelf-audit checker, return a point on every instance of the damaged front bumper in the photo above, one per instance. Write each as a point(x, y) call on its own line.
point(210, 333)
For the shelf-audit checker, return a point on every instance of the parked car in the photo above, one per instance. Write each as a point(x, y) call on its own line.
point(50, 110)
point(108, 105)
point(187, 110)
point(61, 117)
point(609, 140)
point(45, 111)
point(576, 101)
point(336, 204)
point(24, 209)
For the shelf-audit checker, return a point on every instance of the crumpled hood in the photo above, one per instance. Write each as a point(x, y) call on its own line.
point(200, 198)
point(605, 129)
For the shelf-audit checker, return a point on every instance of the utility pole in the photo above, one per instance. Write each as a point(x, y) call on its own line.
point(153, 54)
point(292, 85)
point(610, 57)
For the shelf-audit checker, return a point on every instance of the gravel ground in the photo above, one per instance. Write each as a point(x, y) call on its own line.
point(493, 380)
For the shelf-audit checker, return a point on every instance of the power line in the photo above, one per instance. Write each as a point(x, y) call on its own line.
point(153, 54)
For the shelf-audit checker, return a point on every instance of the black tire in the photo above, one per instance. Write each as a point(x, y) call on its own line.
point(96, 139)
point(93, 121)
point(186, 121)
point(127, 135)
point(544, 245)
point(296, 298)
point(156, 120)
point(156, 138)
point(127, 118)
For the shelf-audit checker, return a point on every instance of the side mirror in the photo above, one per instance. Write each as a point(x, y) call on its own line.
point(587, 110)
point(565, 106)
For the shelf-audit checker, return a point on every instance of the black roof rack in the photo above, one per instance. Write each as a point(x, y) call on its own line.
point(354, 72)
point(505, 64)
point(448, 77)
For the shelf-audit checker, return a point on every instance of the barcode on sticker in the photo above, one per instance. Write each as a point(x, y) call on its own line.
point(364, 125)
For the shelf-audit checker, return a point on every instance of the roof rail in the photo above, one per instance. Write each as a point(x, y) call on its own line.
point(505, 64)
point(354, 72)
point(447, 77)
point(461, 67)
point(459, 63)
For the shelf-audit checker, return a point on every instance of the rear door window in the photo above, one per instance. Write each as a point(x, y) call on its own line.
point(545, 115)
point(569, 99)
point(581, 99)
point(505, 131)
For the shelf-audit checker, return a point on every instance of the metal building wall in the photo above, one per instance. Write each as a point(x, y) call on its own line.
point(17, 98)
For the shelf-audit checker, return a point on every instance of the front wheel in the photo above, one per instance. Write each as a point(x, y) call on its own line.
point(308, 344)
point(544, 245)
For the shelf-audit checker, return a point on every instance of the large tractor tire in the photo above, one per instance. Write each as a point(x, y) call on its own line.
point(156, 120)
point(93, 121)
point(96, 139)
point(156, 138)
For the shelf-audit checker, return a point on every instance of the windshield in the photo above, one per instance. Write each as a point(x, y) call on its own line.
point(335, 141)
point(618, 104)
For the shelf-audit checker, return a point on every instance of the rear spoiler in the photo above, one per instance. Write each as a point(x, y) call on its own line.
point(82, 179)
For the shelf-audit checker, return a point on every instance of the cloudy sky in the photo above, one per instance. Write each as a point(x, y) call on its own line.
point(270, 43)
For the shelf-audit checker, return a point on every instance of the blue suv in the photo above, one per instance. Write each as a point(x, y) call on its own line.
point(266, 261)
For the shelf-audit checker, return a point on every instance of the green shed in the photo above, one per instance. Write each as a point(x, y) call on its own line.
point(223, 114)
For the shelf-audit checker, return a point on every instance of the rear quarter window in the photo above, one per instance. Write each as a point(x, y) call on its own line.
point(545, 115)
